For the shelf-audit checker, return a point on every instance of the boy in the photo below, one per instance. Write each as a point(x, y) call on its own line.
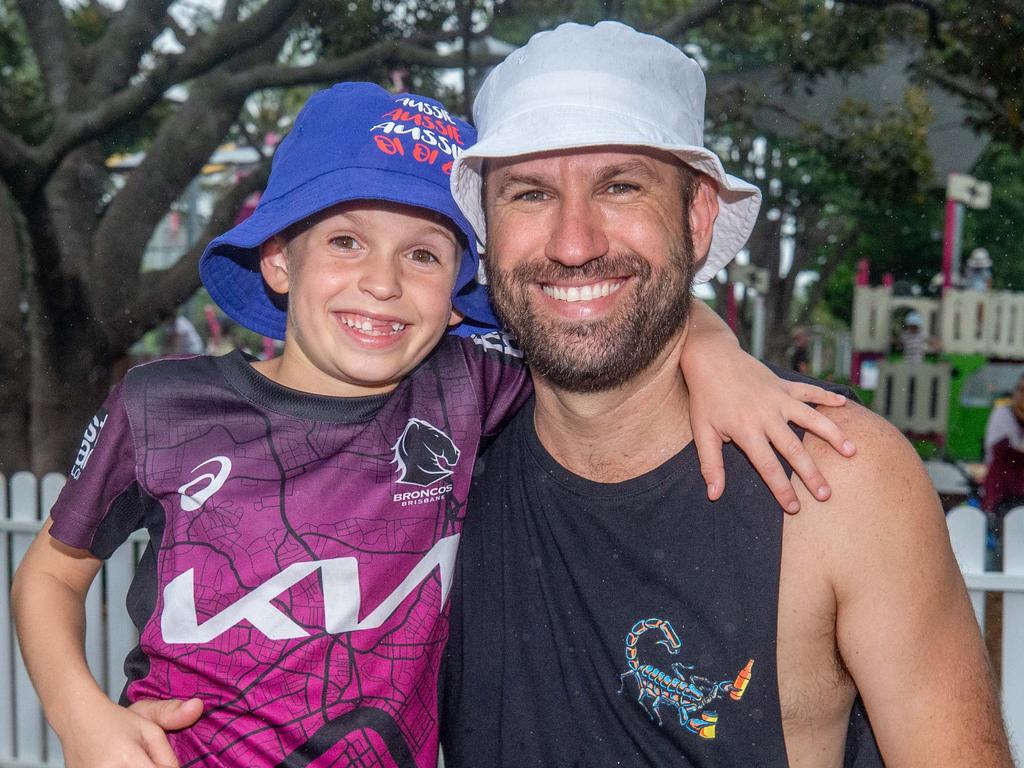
point(304, 512)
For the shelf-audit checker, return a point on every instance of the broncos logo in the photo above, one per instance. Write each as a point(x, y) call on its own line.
point(419, 453)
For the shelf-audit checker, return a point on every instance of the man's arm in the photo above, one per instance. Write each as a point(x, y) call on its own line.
point(904, 624)
point(48, 599)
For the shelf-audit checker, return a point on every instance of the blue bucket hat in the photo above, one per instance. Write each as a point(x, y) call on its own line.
point(353, 141)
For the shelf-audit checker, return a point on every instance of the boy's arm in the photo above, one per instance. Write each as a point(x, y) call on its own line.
point(734, 397)
point(48, 599)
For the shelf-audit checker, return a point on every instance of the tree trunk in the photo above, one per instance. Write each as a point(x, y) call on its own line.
point(13, 350)
point(70, 379)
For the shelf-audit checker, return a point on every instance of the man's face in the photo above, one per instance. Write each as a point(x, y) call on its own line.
point(590, 258)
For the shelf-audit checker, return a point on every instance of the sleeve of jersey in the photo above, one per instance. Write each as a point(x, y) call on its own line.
point(101, 484)
point(500, 377)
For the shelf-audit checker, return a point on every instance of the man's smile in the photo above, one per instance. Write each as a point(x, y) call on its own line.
point(588, 292)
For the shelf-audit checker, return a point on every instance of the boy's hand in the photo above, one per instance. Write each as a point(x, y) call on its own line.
point(720, 387)
point(133, 738)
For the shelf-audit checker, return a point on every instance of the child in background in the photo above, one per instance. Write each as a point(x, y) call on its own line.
point(303, 512)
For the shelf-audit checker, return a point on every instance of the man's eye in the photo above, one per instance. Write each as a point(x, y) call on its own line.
point(423, 256)
point(344, 242)
point(530, 196)
point(621, 188)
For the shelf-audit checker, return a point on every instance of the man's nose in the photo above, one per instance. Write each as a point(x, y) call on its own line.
point(381, 277)
point(577, 234)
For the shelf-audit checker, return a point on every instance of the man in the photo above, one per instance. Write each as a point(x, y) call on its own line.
point(607, 614)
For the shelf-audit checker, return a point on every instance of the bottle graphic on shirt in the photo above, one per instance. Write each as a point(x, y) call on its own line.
point(739, 686)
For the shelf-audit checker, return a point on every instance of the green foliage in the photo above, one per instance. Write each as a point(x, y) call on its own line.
point(999, 228)
point(983, 50)
point(23, 107)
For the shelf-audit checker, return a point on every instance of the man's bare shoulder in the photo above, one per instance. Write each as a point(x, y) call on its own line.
point(883, 520)
point(885, 471)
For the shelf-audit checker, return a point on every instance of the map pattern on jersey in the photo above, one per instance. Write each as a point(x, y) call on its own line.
point(301, 583)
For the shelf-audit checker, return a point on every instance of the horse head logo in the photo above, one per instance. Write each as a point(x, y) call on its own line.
point(424, 454)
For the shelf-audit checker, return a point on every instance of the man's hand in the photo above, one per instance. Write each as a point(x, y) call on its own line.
point(115, 737)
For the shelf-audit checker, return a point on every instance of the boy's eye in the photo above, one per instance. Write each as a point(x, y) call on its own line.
point(423, 256)
point(344, 242)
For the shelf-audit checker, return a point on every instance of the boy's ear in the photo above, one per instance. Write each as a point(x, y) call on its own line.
point(274, 264)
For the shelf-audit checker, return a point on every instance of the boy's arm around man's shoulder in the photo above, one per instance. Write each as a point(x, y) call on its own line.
point(905, 628)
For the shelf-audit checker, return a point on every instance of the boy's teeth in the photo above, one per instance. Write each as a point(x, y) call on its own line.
point(584, 293)
point(365, 325)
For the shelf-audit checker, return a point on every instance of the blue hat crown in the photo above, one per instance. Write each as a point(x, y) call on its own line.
point(353, 141)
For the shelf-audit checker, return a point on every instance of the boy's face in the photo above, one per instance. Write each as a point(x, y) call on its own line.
point(369, 295)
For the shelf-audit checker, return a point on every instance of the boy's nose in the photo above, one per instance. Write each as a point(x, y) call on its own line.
point(381, 279)
point(577, 234)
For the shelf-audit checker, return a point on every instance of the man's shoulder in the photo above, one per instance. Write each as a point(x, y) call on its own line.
point(882, 501)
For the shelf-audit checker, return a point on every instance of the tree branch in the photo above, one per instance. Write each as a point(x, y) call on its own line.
point(982, 97)
point(162, 292)
point(54, 47)
point(237, 38)
point(693, 18)
point(127, 38)
point(933, 13)
point(184, 143)
point(334, 70)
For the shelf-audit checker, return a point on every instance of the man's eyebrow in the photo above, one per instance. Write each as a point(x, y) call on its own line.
point(629, 167)
point(509, 179)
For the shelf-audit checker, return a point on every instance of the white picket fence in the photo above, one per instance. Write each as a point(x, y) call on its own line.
point(26, 741)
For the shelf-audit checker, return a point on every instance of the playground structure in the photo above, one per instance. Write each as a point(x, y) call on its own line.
point(945, 402)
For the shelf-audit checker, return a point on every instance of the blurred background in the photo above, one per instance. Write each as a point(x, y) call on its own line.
point(886, 136)
point(132, 131)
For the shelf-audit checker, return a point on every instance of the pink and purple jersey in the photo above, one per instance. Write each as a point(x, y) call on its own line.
point(301, 547)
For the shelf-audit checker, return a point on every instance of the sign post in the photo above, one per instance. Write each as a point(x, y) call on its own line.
point(961, 190)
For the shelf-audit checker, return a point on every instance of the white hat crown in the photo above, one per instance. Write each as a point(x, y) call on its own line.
point(578, 86)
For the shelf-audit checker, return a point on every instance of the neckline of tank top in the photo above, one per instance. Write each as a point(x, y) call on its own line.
point(683, 461)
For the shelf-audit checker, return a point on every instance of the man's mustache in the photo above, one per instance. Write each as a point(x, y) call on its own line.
point(605, 267)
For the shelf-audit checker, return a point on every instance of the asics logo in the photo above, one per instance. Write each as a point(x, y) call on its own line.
point(192, 500)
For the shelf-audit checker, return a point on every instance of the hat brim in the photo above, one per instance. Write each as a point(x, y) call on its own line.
point(565, 127)
point(230, 267)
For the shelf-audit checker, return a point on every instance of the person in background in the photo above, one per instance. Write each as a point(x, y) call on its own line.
point(914, 340)
point(978, 271)
point(1004, 454)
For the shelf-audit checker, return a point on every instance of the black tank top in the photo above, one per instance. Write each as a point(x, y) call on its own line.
point(616, 624)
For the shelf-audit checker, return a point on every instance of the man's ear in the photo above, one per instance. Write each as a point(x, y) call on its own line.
point(274, 264)
point(703, 212)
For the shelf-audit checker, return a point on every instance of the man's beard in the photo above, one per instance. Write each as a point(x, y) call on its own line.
point(596, 355)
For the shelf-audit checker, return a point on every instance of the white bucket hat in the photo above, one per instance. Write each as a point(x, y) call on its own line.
point(579, 86)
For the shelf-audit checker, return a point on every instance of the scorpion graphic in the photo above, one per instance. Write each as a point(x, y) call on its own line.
point(689, 694)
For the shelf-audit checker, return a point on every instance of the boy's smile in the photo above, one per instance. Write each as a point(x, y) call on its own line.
point(369, 295)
